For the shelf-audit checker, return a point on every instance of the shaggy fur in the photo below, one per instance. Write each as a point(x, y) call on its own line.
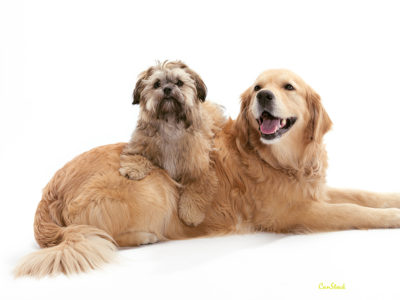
point(175, 131)
point(277, 187)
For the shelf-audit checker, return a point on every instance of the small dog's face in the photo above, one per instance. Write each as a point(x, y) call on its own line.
point(169, 91)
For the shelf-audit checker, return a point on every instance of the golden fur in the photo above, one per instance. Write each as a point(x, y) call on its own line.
point(175, 132)
point(277, 187)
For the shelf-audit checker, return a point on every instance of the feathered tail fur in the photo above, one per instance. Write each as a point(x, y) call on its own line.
point(70, 249)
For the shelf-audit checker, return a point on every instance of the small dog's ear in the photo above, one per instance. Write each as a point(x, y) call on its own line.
point(319, 123)
point(201, 88)
point(140, 85)
point(138, 89)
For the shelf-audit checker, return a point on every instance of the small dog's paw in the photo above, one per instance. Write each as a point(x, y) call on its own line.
point(190, 214)
point(133, 174)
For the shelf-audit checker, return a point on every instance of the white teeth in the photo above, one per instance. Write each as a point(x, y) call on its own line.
point(283, 122)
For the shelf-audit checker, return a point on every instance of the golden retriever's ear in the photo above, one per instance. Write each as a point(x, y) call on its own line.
point(245, 98)
point(320, 122)
point(242, 121)
point(140, 85)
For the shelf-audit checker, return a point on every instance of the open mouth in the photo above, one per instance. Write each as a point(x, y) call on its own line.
point(272, 127)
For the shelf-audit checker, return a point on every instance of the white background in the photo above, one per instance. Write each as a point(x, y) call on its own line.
point(67, 73)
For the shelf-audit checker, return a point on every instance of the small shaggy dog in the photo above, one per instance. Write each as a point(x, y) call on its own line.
point(175, 131)
point(270, 163)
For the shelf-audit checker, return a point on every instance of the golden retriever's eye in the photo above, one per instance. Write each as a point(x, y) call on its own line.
point(157, 84)
point(179, 83)
point(257, 88)
point(289, 87)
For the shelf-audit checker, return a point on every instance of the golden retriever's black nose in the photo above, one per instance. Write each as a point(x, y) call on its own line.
point(265, 97)
point(167, 91)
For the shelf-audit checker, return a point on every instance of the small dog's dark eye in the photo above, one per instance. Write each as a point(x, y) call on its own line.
point(157, 84)
point(289, 87)
point(257, 88)
point(179, 83)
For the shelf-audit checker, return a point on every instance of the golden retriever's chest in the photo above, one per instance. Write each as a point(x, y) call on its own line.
point(277, 202)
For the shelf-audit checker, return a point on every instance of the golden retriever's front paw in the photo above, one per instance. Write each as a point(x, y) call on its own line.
point(132, 173)
point(190, 213)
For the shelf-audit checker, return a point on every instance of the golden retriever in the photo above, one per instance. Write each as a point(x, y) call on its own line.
point(270, 164)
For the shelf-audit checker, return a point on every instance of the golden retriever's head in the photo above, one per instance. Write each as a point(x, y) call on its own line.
point(283, 113)
point(169, 91)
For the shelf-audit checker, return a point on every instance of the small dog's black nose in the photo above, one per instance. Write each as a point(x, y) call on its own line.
point(167, 91)
point(265, 97)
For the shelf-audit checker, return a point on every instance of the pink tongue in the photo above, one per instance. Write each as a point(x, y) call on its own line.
point(269, 126)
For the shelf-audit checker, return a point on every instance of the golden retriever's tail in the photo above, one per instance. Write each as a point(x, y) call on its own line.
point(71, 249)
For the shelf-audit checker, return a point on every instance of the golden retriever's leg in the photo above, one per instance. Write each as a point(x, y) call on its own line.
point(195, 197)
point(363, 198)
point(135, 238)
point(322, 216)
point(135, 166)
